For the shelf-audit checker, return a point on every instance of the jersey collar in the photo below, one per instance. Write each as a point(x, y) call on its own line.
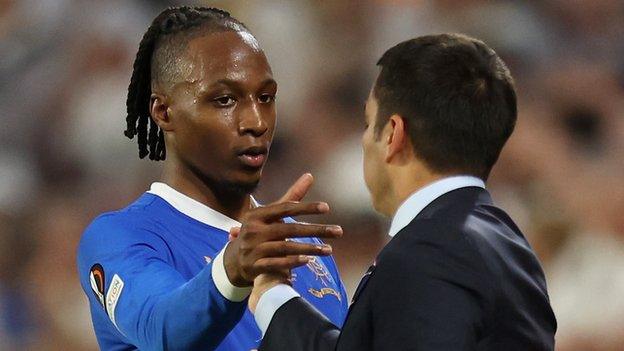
point(194, 208)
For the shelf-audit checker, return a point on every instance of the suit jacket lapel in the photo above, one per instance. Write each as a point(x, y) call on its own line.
point(363, 282)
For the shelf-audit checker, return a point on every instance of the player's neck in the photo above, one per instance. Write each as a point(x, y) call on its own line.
point(232, 204)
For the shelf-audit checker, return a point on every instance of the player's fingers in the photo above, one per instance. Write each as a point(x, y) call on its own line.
point(234, 232)
point(298, 190)
point(291, 248)
point(282, 276)
point(279, 264)
point(275, 212)
point(281, 231)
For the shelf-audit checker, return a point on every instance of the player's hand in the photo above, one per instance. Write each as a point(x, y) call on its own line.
point(260, 246)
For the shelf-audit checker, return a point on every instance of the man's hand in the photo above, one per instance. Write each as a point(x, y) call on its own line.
point(263, 283)
point(261, 246)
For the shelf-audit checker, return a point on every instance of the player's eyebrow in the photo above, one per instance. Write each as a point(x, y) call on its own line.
point(237, 85)
point(227, 82)
point(220, 83)
point(268, 81)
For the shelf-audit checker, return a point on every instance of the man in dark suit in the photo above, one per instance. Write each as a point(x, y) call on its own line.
point(458, 273)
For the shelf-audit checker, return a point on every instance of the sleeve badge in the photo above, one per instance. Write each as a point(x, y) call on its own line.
point(97, 281)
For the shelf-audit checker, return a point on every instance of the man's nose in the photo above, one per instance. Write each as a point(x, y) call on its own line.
point(252, 121)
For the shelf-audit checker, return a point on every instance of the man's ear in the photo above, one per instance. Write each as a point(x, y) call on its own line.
point(396, 138)
point(159, 110)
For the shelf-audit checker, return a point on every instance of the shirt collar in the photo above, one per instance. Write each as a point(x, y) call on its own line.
point(415, 203)
point(194, 208)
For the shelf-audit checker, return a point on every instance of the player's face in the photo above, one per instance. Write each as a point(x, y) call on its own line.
point(375, 174)
point(225, 112)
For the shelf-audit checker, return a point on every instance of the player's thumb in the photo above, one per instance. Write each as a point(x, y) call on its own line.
point(299, 189)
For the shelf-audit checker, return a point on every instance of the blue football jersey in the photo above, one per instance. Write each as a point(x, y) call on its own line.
point(154, 277)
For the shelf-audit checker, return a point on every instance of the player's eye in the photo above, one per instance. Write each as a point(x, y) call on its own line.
point(224, 101)
point(266, 98)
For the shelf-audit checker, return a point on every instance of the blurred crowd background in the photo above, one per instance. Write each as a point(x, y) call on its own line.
point(64, 70)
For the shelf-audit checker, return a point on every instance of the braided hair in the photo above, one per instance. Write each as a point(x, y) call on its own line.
point(162, 41)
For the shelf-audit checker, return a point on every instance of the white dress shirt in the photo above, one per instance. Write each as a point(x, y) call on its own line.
point(277, 296)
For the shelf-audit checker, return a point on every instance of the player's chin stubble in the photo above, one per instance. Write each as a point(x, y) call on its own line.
point(224, 188)
point(241, 188)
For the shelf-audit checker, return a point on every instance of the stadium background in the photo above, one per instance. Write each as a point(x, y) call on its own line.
point(65, 66)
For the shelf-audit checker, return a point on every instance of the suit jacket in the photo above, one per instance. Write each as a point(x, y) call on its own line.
point(460, 276)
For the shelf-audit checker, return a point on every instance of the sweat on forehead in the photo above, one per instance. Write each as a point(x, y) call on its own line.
point(169, 63)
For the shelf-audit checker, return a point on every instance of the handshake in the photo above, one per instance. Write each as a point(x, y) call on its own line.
point(259, 252)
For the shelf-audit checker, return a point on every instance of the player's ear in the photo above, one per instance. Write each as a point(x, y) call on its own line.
point(159, 110)
point(395, 137)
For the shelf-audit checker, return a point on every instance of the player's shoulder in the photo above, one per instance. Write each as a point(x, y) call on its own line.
point(120, 227)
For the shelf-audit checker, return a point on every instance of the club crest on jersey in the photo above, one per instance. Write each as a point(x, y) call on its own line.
point(321, 274)
point(319, 271)
point(97, 281)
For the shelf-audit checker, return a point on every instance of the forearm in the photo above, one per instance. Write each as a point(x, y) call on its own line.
point(286, 330)
point(197, 314)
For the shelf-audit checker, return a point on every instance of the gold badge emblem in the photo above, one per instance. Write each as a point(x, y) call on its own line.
point(319, 271)
point(321, 274)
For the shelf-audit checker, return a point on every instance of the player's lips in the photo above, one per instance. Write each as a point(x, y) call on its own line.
point(253, 157)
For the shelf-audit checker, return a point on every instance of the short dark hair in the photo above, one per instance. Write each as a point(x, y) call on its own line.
point(456, 96)
point(157, 61)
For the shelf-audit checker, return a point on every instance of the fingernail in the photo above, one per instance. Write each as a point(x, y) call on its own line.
point(304, 258)
point(327, 249)
point(336, 230)
point(323, 207)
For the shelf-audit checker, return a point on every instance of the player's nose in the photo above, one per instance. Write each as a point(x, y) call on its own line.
point(252, 121)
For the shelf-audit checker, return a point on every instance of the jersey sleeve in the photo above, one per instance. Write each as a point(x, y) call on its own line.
point(124, 270)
